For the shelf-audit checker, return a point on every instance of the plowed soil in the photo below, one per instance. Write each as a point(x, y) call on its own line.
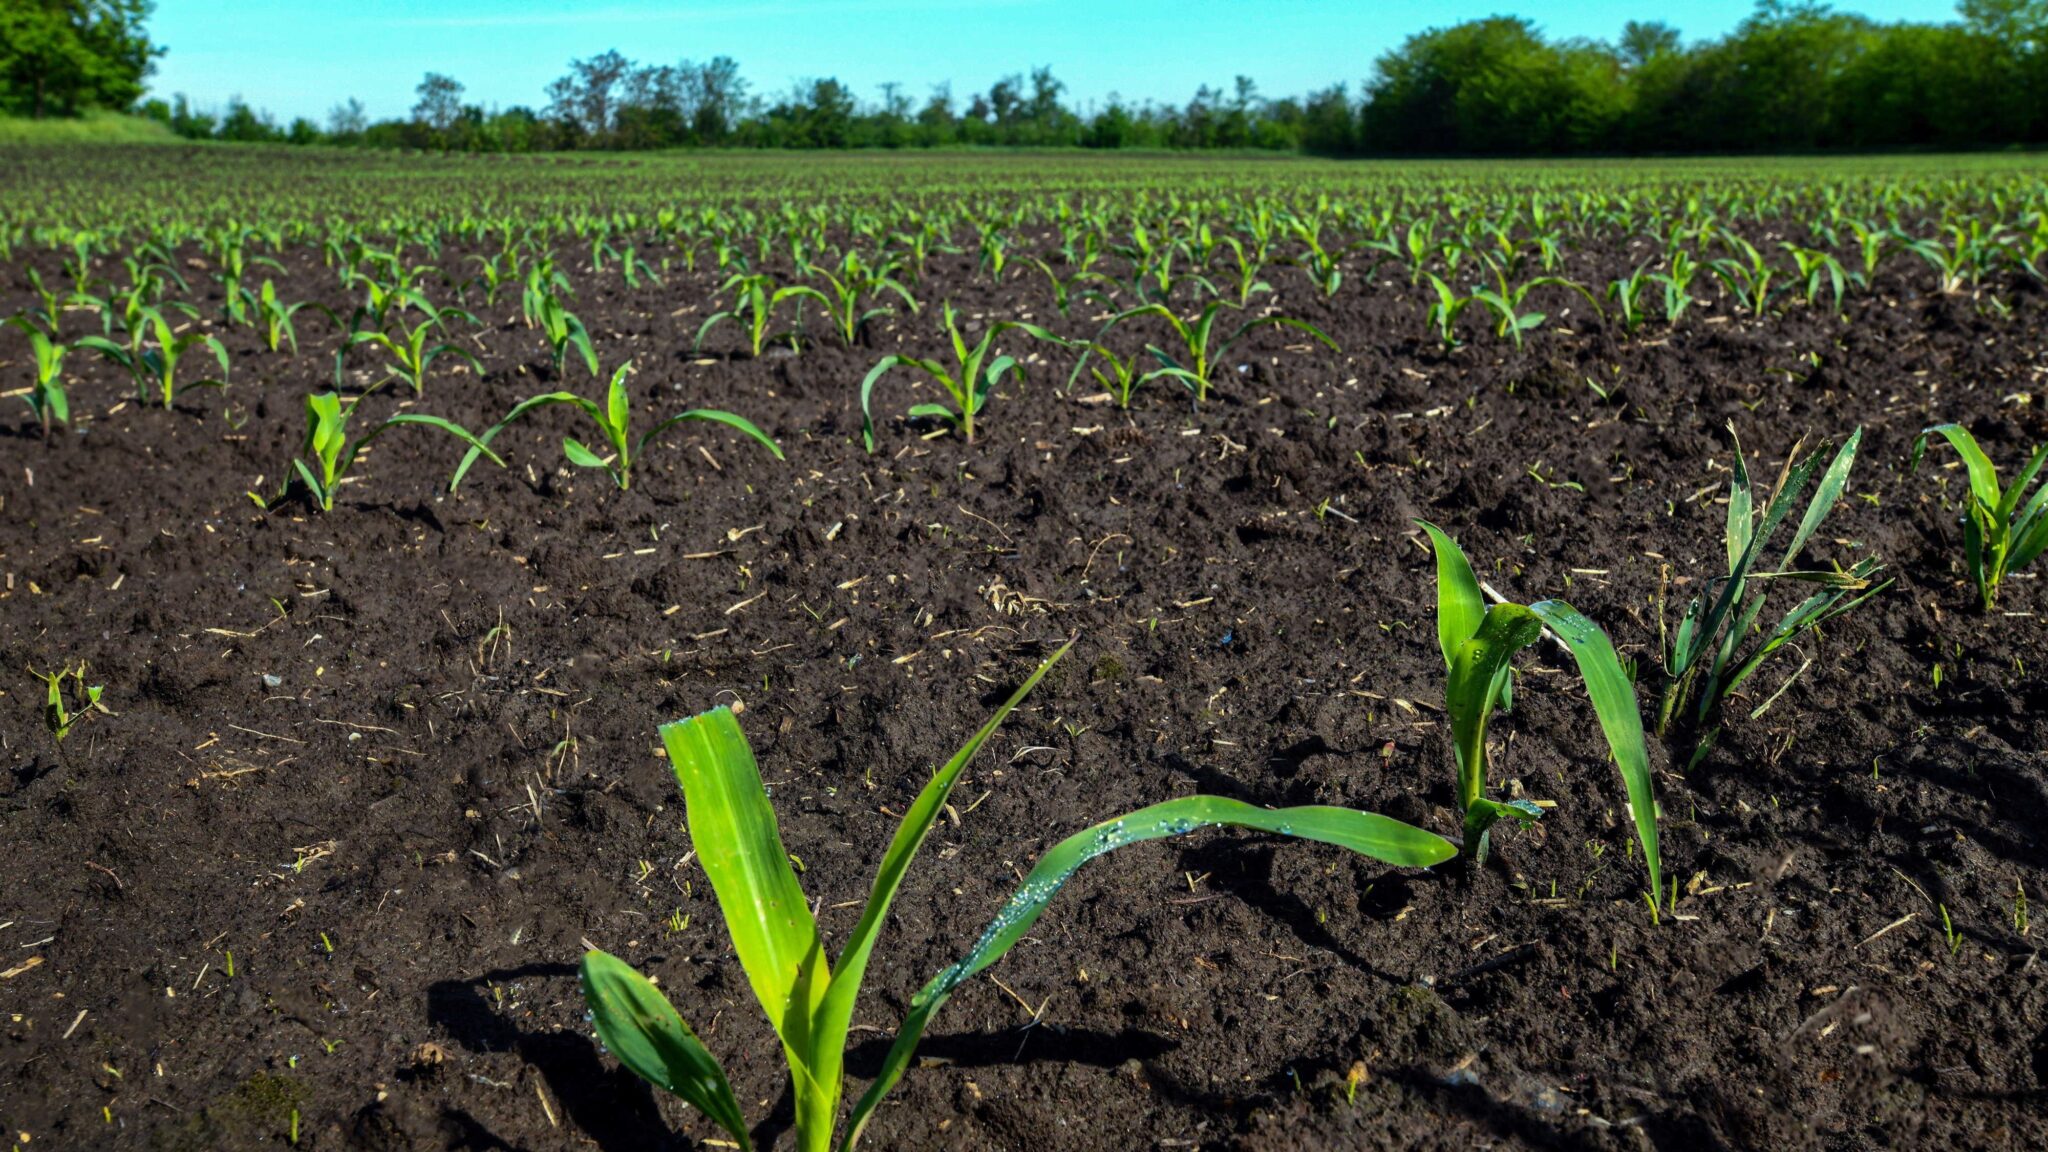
point(371, 779)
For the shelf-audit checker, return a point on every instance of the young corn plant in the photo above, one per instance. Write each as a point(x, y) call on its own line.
point(63, 710)
point(809, 998)
point(1125, 375)
point(1705, 660)
point(1478, 641)
point(1325, 266)
point(1677, 284)
point(1971, 254)
point(1443, 315)
point(968, 382)
point(493, 274)
point(408, 350)
point(1068, 292)
point(238, 303)
point(613, 418)
point(1626, 294)
point(543, 280)
point(1748, 279)
point(1246, 266)
point(53, 301)
point(1504, 300)
point(274, 317)
point(152, 354)
point(46, 396)
point(1999, 536)
point(564, 331)
point(332, 453)
point(754, 299)
point(1195, 335)
point(853, 284)
point(1817, 268)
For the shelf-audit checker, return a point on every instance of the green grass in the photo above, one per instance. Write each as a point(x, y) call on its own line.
point(91, 128)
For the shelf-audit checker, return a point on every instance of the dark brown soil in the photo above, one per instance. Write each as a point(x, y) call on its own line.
point(396, 764)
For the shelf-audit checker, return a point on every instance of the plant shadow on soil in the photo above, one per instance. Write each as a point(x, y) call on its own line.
point(617, 1111)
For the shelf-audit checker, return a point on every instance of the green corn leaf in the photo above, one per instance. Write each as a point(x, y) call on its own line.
point(835, 1016)
point(1685, 646)
point(325, 429)
point(867, 389)
point(1741, 506)
point(618, 406)
point(1790, 483)
point(1810, 613)
point(313, 484)
point(2032, 537)
point(2011, 499)
point(716, 416)
point(581, 456)
point(1379, 837)
point(1983, 477)
point(1614, 701)
point(543, 400)
point(636, 1023)
point(1825, 496)
point(733, 828)
point(1473, 689)
point(1460, 607)
point(448, 426)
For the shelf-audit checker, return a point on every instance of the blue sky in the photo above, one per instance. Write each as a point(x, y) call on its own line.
point(300, 58)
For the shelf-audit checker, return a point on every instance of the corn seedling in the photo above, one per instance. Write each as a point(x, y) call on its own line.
point(854, 283)
point(1124, 375)
point(1066, 293)
point(493, 273)
point(46, 396)
point(1478, 641)
point(1443, 315)
point(1748, 279)
point(53, 302)
point(1323, 265)
point(332, 453)
point(1874, 242)
point(1953, 938)
point(632, 267)
point(968, 382)
point(237, 301)
point(754, 298)
point(62, 710)
point(613, 418)
point(152, 354)
point(1704, 661)
point(1246, 266)
point(564, 330)
point(543, 281)
point(811, 1001)
point(1999, 536)
point(1816, 268)
point(1677, 284)
point(1626, 294)
point(1195, 335)
point(1505, 301)
point(408, 350)
point(1970, 255)
point(275, 317)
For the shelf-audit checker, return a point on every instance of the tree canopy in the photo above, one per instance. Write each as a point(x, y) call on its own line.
point(63, 57)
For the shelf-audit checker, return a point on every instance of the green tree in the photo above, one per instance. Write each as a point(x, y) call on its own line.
point(1493, 86)
point(62, 57)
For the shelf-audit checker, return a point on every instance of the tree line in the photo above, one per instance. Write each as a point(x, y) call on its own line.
point(1795, 75)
